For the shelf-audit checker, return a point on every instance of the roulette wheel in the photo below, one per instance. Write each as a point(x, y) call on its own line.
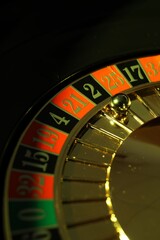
point(80, 110)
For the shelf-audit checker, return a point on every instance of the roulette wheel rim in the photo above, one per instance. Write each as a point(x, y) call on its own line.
point(101, 62)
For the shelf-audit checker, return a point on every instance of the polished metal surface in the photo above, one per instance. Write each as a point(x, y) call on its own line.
point(135, 182)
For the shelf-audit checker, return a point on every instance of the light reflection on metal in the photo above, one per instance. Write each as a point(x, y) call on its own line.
point(118, 107)
point(146, 105)
point(115, 122)
point(113, 218)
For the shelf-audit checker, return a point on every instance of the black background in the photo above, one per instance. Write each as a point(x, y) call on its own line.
point(43, 43)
